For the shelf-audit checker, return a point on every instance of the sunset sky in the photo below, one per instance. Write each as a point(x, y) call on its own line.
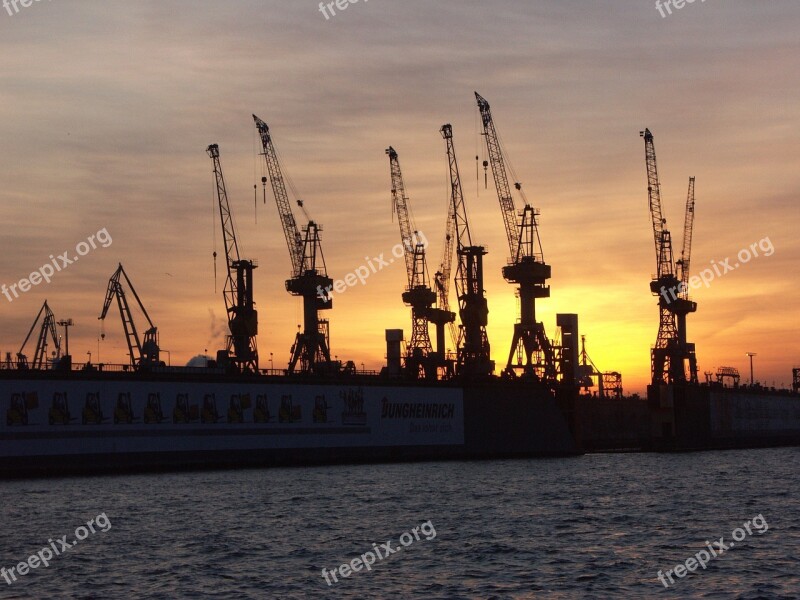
point(106, 109)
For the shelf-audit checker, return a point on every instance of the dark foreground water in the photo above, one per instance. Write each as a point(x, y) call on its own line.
point(598, 526)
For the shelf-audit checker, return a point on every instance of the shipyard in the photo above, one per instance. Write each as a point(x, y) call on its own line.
point(61, 415)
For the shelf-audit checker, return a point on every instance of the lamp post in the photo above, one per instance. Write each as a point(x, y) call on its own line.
point(751, 355)
point(66, 324)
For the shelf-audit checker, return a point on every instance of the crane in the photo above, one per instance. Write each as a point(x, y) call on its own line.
point(672, 353)
point(683, 306)
point(47, 330)
point(442, 283)
point(309, 278)
point(421, 359)
point(442, 276)
point(418, 295)
point(531, 352)
point(141, 353)
point(241, 350)
point(474, 358)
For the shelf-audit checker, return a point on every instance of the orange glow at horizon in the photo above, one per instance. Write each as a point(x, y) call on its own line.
point(100, 134)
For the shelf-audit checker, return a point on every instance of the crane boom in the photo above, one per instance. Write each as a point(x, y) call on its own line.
point(228, 230)
point(442, 276)
point(293, 238)
point(661, 236)
point(400, 207)
point(686, 252)
point(48, 329)
point(500, 176)
point(460, 220)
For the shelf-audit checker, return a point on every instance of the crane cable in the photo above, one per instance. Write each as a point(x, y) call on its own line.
point(255, 185)
point(214, 232)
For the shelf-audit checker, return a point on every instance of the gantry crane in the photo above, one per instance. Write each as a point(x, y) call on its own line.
point(421, 360)
point(141, 353)
point(241, 350)
point(309, 279)
point(672, 354)
point(47, 330)
point(531, 353)
point(474, 357)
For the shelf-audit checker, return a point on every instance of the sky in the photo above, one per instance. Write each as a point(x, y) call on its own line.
point(106, 109)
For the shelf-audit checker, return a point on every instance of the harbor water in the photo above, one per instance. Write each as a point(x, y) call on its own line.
point(595, 526)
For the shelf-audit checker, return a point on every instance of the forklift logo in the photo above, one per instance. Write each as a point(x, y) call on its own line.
point(58, 414)
point(56, 264)
point(289, 412)
point(17, 413)
point(185, 411)
point(320, 409)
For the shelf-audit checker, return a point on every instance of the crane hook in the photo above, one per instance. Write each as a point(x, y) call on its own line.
point(215, 271)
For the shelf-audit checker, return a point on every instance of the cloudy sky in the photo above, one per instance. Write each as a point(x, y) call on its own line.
point(106, 109)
